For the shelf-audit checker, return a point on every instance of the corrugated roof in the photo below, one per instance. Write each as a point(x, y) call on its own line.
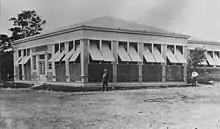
point(114, 23)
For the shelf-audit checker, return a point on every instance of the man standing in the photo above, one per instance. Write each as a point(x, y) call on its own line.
point(194, 76)
point(105, 80)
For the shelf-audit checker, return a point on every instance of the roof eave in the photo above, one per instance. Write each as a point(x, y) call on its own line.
point(83, 27)
point(203, 42)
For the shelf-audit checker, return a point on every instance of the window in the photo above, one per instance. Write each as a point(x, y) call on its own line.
point(49, 63)
point(34, 62)
point(56, 47)
point(19, 53)
point(42, 56)
point(28, 51)
point(77, 44)
point(25, 52)
point(70, 45)
point(62, 47)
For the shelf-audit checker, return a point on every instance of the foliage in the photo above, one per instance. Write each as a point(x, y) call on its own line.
point(4, 42)
point(27, 23)
point(196, 56)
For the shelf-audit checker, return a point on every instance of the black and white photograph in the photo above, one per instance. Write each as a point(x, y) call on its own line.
point(109, 64)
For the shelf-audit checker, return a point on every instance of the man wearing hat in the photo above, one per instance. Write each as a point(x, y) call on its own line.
point(105, 80)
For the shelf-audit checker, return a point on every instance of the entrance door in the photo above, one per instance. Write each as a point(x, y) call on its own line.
point(42, 76)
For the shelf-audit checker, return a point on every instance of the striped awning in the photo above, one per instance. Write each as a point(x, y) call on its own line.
point(75, 54)
point(95, 53)
point(157, 55)
point(107, 53)
point(148, 55)
point(134, 54)
point(123, 55)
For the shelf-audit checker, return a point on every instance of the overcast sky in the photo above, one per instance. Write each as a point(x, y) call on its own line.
point(199, 18)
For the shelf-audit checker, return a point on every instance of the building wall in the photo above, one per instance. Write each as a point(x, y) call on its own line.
point(89, 72)
point(213, 70)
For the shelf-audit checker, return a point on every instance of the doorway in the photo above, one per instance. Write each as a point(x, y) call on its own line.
point(41, 62)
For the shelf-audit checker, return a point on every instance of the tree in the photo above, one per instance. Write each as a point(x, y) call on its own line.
point(27, 23)
point(6, 62)
point(196, 56)
point(4, 42)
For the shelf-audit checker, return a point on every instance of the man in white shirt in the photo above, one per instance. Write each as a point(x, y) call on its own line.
point(194, 77)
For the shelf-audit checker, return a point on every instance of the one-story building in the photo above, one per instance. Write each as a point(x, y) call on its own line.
point(212, 62)
point(131, 52)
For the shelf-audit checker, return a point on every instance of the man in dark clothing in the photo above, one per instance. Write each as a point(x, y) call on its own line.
point(105, 80)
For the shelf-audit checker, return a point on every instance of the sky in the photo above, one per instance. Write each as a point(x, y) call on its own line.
point(197, 18)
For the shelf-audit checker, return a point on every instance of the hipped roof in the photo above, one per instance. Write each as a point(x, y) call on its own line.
point(109, 24)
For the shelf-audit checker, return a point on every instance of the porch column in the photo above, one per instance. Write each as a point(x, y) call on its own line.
point(114, 46)
point(67, 63)
point(22, 65)
point(46, 65)
point(84, 59)
point(185, 54)
point(31, 59)
point(15, 57)
point(140, 64)
point(53, 63)
point(163, 52)
point(37, 67)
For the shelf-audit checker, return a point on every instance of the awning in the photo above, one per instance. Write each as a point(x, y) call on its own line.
point(217, 59)
point(59, 57)
point(148, 55)
point(107, 53)
point(171, 57)
point(203, 63)
point(95, 53)
point(25, 60)
point(54, 57)
point(210, 59)
point(157, 55)
point(17, 61)
point(180, 57)
point(134, 55)
point(75, 54)
point(123, 55)
point(22, 60)
point(68, 55)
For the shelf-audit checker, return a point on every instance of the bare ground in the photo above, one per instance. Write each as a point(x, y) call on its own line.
point(184, 108)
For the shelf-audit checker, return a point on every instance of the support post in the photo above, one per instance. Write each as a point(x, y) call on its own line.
point(185, 64)
point(114, 45)
point(140, 64)
point(163, 52)
point(31, 59)
point(46, 65)
point(37, 67)
point(67, 62)
point(84, 57)
point(22, 65)
point(53, 64)
point(15, 57)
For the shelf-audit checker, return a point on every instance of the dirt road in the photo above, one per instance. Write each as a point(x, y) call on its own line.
point(189, 108)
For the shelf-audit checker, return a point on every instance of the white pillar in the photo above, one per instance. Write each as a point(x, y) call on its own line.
point(22, 65)
point(53, 63)
point(163, 52)
point(185, 54)
point(15, 57)
point(140, 64)
point(67, 62)
point(46, 65)
point(114, 47)
point(31, 59)
point(84, 57)
point(37, 67)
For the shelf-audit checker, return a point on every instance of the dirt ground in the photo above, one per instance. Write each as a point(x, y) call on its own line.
point(172, 108)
